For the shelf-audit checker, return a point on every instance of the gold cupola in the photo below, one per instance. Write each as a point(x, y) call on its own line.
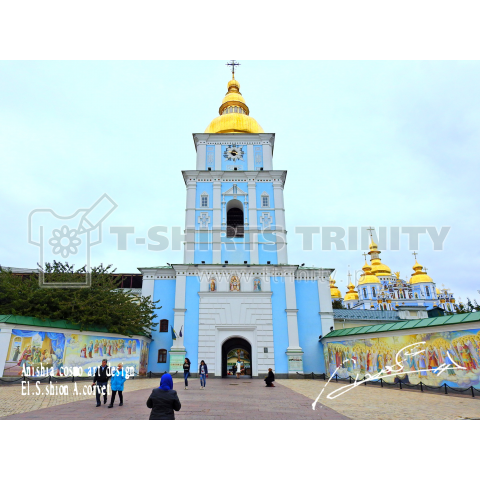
point(378, 268)
point(334, 291)
point(367, 276)
point(419, 276)
point(352, 294)
point(234, 113)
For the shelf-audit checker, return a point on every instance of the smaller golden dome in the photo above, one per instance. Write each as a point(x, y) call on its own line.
point(352, 294)
point(368, 276)
point(334, 291)
point(437, 290)
point(419, 276)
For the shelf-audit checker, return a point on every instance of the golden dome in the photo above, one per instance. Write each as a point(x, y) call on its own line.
point(368, 276)
point(352, 294)
point(334, 291)
point(234, 123)
point(379, 268)
point(437, 290)
point(419, 276)
point(234, 114)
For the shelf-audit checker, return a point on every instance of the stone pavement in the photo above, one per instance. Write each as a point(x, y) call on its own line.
point(223, 399)
point(373, 403)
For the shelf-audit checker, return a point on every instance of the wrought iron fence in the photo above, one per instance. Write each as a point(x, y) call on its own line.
point(398, 383)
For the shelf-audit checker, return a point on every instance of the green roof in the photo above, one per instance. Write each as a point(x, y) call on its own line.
point(36, 322)
point(407, 324)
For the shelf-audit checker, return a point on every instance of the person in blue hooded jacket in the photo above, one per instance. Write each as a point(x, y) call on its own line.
point(116, 384)
point(164, 400)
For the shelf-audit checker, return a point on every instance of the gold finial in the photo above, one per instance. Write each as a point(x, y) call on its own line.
point(364, 255)
point(232, 64)
point(397, 274)
point(371, 230)
point(415, 254)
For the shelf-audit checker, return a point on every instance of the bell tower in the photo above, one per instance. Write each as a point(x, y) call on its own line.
point(235, 210)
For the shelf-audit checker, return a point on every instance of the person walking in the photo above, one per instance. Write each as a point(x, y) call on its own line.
point(102, 375)
point(203, 372)
point(270, 378)
point(186, 372)
point(117, 381)
point(239, 367)
point(164, 400)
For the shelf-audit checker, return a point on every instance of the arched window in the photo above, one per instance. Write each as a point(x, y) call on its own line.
point(364, 293)
point(163, 325)
point(374, 293)
point(235, 221)
point(162, 356)
point(427, 291)
point(204, 202)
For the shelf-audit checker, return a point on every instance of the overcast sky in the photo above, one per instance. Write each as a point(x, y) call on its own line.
point(365, 143)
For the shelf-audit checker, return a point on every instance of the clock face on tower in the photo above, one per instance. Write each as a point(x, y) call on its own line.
point(234, 153)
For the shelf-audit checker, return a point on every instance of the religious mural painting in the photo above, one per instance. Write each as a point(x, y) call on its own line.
point(257, 285)
point(32, 350)
point(433, 364)
point(234, 283)
point(213, 285)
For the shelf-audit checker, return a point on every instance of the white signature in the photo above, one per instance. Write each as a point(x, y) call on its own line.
point(388, 370)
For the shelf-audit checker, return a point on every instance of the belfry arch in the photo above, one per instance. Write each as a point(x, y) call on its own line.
point(235, 219)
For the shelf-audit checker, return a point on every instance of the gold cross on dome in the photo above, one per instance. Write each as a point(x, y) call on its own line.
point(415, 254)
point(232, 64)
point(365, 255)
point(370, 229)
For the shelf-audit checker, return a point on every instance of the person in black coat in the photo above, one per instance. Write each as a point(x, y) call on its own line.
point(101, 378)
point(164, 400)
point(270, 378)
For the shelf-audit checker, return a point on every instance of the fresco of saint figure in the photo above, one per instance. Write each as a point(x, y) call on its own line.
point(234, 284)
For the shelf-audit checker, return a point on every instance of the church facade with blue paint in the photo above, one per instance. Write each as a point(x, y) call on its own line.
point(236, 298)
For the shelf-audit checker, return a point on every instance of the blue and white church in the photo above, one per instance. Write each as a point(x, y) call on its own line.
point(236, 297)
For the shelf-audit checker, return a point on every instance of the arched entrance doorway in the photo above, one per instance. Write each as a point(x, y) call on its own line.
point(235, 349)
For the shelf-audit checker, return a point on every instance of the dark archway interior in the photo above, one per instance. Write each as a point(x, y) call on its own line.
point(234, 223)
point(230, 345)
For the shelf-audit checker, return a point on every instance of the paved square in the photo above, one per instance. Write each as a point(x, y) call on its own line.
point(223, 399)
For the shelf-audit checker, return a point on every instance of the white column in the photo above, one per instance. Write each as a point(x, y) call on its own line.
point(291, 302)
point(177, 352)
point(189, 252)
point(218, 157)
point(250, 160)
point(282, 256)
point(217, 222)
point(5, 336)
point(201, 156)
point(252, 221)
point(294, 351)
point(325, 299)
point(267, 157)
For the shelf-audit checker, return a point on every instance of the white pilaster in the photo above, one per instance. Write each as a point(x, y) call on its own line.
point(189, 250)
point(282, 256)
point(252, 214)
point(325, 299)
point(218, 157)
point(250, 159)
point(179, 310)
point(201, 156)
point(291, 303)
point(267, 157)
